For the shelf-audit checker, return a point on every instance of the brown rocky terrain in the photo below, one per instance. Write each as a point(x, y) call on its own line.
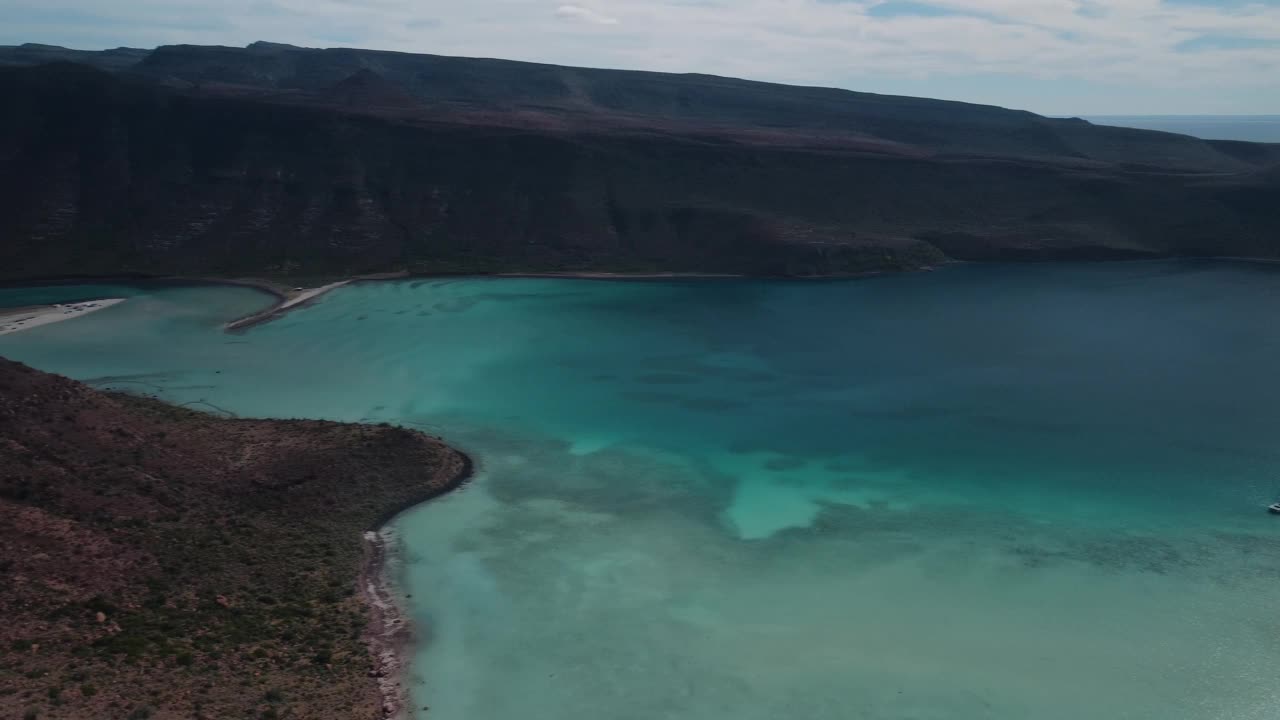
point(157, 562)
point(282, 161)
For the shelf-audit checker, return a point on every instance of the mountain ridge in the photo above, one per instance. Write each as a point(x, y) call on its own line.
point(282, 160)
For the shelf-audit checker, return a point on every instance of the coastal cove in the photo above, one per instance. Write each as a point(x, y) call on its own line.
point(990, 491)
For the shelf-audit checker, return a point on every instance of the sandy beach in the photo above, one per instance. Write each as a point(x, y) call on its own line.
point(18, 319)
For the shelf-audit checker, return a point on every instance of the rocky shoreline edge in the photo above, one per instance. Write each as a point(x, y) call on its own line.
point(390, 634)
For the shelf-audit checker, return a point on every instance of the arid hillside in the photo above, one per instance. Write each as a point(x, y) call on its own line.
point(157, 562)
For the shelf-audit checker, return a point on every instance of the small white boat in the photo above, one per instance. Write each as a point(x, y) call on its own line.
point(1274, 508)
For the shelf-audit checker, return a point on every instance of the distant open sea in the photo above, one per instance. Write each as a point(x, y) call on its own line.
point(1255, 128)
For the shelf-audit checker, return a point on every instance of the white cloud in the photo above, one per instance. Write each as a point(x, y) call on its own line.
point(578, 13)
point(1058, 56)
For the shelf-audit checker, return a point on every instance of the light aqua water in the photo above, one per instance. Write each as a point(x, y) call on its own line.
point(984, 492)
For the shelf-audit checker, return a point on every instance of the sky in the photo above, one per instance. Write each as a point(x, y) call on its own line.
point(1056, 57)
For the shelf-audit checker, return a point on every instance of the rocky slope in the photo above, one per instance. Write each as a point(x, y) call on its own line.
point(161, 563)
point(281, 160)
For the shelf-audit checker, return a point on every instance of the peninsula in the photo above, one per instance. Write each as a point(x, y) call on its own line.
point(160, 562)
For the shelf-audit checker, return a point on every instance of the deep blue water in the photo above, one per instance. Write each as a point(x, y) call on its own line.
point(982, 492)
point(1253, 128)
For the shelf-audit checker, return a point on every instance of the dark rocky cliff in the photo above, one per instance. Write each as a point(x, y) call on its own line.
point(281, 160)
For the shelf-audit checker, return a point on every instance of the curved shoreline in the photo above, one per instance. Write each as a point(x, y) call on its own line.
point(289, 299)
point(281, 289)
point(389, 626)
point(389, 633)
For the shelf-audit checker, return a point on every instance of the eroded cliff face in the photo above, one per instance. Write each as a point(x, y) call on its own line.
point(106, 173)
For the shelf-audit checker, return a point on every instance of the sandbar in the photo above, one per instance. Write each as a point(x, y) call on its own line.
point(18, 319)
point(289, 300)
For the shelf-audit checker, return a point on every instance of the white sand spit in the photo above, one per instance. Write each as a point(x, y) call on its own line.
point(12, 321)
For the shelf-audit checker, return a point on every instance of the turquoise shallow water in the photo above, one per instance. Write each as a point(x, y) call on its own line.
point(984, 492)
